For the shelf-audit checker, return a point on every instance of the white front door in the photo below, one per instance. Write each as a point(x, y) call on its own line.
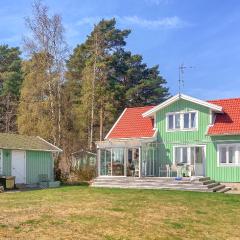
point(199, 161)
point(19, 166)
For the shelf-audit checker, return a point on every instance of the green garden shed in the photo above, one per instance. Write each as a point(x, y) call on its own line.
point(26, 157)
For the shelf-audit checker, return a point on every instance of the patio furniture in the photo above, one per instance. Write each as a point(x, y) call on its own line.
point(189, 170)
point(174, 170)
point(180, 169)
point(168, 168)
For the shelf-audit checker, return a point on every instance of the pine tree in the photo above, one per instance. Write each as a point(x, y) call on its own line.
point(103, 78)
point(10, 83)
point(94, 57)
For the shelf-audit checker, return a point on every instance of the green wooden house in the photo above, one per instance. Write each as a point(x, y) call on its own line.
point(26, 157)
point(182, 136)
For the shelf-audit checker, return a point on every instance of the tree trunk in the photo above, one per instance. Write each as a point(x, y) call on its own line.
point(52, 108)
point(101, 123)
point(93, 94)
point(7, 122)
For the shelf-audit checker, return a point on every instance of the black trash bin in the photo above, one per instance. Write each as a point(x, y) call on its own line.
point(8, 182)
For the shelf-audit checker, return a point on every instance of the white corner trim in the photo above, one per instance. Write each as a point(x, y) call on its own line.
point(184, 97)
point(1, 163)
point(114, 125)
point(155, 133)
point(57, 148)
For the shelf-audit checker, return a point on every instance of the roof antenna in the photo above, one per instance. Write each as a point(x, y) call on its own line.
point(181, 69)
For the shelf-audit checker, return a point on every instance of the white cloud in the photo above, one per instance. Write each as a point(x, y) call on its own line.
point(89, 20)
point(167, 22)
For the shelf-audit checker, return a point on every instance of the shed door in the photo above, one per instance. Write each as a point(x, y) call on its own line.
point(19, 166)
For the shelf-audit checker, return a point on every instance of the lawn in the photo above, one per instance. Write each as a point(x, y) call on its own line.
point(91, 213)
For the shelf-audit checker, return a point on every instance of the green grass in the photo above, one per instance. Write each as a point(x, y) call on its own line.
point(78, 212)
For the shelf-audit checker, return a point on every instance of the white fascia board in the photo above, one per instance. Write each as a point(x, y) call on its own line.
point(115, 123)
point(57, 149)
point(153, 137)
point(184, 97)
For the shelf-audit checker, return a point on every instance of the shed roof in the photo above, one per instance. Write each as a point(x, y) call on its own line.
point(23, 142)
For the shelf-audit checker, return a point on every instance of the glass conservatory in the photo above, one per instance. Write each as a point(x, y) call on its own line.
point(150, 160)
point(144, 160)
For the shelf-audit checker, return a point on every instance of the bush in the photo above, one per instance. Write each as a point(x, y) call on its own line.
point(85, 173)
point(61, 176)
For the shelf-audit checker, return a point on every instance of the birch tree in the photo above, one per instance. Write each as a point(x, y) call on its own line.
point(47, 48)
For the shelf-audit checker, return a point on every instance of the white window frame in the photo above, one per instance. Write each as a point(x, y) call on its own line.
point(181, 121)
point(188, 151)
point(181, 154)
point(237, 155)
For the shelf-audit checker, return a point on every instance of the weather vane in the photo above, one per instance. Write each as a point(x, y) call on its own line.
point(181, 69)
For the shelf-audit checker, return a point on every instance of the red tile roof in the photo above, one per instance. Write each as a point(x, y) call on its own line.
point(131, 124)
point(227, 123)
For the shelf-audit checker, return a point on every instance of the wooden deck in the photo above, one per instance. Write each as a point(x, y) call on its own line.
point(195, 184)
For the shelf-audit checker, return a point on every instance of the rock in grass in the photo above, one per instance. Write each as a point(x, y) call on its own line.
point(1, 189)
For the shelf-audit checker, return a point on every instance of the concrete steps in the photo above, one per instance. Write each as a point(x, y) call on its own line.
point(149, 183)
point(190, 184)
point(218, 188)
point(214, 186)
point(223, 190)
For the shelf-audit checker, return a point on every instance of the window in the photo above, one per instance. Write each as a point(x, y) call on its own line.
point(177, 120)
point(170, 121)
point(182, 121)
point(229, 154)
point(186, 120)
point(177, 155)
point(185, 155)
point(223, 155)
point(192, 157)
point(193, 120)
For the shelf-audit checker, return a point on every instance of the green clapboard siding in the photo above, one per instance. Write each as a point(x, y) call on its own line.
point(38, 162)
point(7, 156)
point(170, 139)
point(220, 173)
point(183, 136)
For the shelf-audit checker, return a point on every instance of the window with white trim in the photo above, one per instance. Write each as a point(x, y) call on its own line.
point(182, 121)
point(229, 154)
point(181, 155)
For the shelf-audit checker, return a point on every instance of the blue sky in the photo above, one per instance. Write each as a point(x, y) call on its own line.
point(201, 33)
